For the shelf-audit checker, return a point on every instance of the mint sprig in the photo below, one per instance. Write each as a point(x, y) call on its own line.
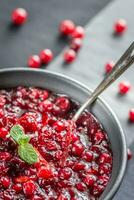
point(25, 150)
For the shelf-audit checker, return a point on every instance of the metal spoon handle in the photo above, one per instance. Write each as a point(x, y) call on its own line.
point(126, 60)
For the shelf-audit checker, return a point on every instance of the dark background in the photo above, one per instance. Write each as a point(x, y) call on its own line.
point(41, 29)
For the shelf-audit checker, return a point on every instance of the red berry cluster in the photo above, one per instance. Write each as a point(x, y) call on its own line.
point(76, 33)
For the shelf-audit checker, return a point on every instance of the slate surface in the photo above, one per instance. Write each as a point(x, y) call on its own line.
point(100, 45)
point(41, 29)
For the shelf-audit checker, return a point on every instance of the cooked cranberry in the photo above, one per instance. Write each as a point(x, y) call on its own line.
point(78, 32)
point(63, 103)
point(120, 26)
point(69, 56)
point(88, 156)
point(3, 133)
point(90, 180)
point(46, 56)
point(59, 126)
point(109, 66)
point(104, 168)
point(62, 197)
point(81, 187)
point(76, 44)
point(77, 149)
point(66, 27)
point(124, 87)
point(34, 61)
point(98, 137)
point(45, 106)
point(45, 172)
point(5, 156)
point(65, 173)
point(79, 166)
point(105, 158)
point(17, 187)
point(29, 122)
point(21, 179)
point(129, 154)
point(5, 181)
point(29, 188)
point(131, 115)
point(19, 16)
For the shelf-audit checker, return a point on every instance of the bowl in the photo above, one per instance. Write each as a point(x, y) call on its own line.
point(61, 84)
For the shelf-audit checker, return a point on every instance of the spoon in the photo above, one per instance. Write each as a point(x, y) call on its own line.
point(125, 61)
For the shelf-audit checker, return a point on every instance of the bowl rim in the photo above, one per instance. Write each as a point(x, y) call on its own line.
point(104, 103)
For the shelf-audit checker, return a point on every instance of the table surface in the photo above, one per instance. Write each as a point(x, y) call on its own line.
point(100, 45)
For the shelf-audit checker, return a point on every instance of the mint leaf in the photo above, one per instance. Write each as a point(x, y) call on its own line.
point(23, 139)
point(27, 153)
point(17, 132)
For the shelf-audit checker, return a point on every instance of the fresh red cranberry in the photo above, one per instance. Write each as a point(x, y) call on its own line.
point(90, 180)
point(69, 56)
point(34, 61)
point(109, 66)
point(129, 154)
point(66, 27)
point(5, 181)
point(77, 149)
point(29, 122)
point(88, 156)
point(78, 32)
point(19, 16)
point(104, 168)
point(103, 179)
point(29, 188)
point(105, 158)
point(120, 26)
point(131, 115)
point(3, 133)
point(17, 187)
point(124, 87)
point(45, 172)
point(81, 187)
point(97, 190)
point(76, 44)
point(46, 56)
point(65, 173)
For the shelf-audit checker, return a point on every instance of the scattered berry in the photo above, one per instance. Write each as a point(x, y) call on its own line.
point(78, 32)
point(129, 154)
point(19, 16)
point(131, 115)
point(66, 27)
point(120, 26)
point(76, 44)
point(109, 66)
point(69, 56)
point(5, 181)
point(3, 133)
point(34, 61)
point(124, 87)
point(46, 56)
point(29, 188)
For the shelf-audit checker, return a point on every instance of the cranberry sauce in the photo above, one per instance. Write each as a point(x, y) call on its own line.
point(75, 161)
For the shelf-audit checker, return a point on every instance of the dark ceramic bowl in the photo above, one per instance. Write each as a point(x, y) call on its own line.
point(14, 77)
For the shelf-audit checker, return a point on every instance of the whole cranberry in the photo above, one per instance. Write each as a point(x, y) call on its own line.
point(88, 156)
point(66, 27)
point(46, 56)
point(109, 66)
point(17, 187)
point(98, 137)
point(129, 154)
point(77, 148)
point(44, 172)
point(81, 187)
point(65, 173)
point(90, 180)
point(34, 61)
point(76, 44)
point(69, 56)
point(78, 32)
point(105, 158)
point(63, 103)
point(29, 188)
point(19, 16)
point(124, 87)
point(3, 133)
point(59, 126)
point(131, 115)
point(78, 166)
point(120, 26)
